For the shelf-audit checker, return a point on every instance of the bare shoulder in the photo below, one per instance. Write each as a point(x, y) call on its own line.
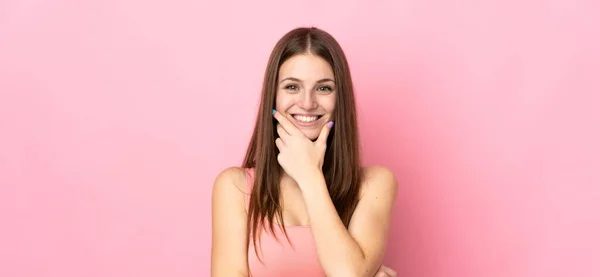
point(370, 223)
point(228, 250)
point(378, 180)
point(230, 183)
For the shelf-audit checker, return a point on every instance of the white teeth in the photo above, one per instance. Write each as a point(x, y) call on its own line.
point(305, 118)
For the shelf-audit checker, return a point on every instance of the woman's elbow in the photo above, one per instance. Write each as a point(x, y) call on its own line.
point(353, 270)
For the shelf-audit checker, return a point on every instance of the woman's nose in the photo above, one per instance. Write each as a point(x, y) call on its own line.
point(307, 101)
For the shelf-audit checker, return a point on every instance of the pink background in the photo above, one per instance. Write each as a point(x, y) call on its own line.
point(116, 116)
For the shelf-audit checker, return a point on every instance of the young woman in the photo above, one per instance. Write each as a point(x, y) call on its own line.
point(301, 204)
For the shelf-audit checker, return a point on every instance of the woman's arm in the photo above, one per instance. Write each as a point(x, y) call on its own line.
point(229, 253)
point(359, 250)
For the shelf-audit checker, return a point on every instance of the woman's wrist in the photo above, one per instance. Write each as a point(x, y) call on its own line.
point(312, 181)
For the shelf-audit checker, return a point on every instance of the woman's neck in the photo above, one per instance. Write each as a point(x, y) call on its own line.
point(288, 181)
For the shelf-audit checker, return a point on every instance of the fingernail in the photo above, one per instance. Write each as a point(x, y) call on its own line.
point(274, 111)
point(330, 124)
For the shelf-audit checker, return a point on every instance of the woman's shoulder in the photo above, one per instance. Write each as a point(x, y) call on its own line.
point(231, 180)
point(378, 179)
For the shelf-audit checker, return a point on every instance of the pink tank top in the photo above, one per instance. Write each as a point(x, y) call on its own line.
point(277, 256)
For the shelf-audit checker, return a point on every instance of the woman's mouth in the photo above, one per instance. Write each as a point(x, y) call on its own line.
point(306, 120)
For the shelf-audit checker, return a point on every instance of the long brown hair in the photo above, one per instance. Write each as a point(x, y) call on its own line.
point(341, 165)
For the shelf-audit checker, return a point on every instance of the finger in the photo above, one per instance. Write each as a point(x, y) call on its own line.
point(381, 274)
point(282, 132)
point(389, 271)
point(322, 139)
point(279, 143)
point(286, 122)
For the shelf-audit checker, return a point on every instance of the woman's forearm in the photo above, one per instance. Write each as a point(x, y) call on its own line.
point(339, 253)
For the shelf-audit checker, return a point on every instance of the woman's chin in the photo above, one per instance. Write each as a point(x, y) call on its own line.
point(311, 135)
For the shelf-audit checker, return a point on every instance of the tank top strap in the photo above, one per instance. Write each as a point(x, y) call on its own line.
point(249, 185)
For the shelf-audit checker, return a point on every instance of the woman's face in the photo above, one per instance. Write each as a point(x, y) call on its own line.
point(306, 91)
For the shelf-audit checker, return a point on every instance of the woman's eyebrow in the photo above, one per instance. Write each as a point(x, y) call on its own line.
point(325, 80)
point(291, 79)
point(299, 81)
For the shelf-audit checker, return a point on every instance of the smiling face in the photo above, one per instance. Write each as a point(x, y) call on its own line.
point(306, 91)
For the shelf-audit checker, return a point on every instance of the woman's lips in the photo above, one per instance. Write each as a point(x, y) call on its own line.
point(306, 120)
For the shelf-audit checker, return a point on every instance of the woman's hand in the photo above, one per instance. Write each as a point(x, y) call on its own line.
point(299, 156)
point(385, 271)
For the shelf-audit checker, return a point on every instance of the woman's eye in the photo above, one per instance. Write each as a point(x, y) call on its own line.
point(291, 87)
point(325, 88)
